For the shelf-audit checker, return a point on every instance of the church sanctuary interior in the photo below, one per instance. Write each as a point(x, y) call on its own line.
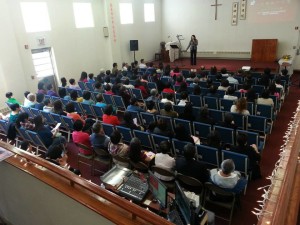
point(158, 112)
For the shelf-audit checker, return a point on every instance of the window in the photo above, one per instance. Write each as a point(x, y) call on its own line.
point(35, 16)
point(83, 15)
point(42, 61)
point(149, 12)
point(126, 14)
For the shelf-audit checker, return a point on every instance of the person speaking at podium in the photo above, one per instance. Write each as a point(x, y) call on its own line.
point(193, 44)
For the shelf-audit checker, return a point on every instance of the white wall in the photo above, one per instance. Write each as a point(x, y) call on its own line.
point(198, 17)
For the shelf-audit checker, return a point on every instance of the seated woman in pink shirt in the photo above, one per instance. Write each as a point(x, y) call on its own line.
point(78, 136)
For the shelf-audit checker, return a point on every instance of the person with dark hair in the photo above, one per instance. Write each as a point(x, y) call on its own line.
point(273, 91)
point(224, 72)
point(183, 98)
point(87, 98)
point(142, 87)
point(26, 146)
point(98, 138)
point(108, 117)
point(126, 83)
point(114, 70)
point(13, 115)
point(228, 121)
point(193, 45)
point(128, 122)
point(10, 99)
point(63, 81)
point(47, 106)
point(224, 85)
point(182, 88)
point(24, 122)
point(179, 81)
point(70, 109)
point(144, 79)
point(83, 77)
point(25, 97)
point(164, 160)
point(73, 84)
point(169, 97)
point(58, 108)
point(50, 138)
point(116, 145)
point(98, 87)
point(51, 91)
point(265, 78)
point(108, 90)
point(213, 70)
point(213, 92)
point(214, 140)
point(187, 113)
point(197, 90)
point(168, 111)
point(240, 107)
point(78, 136)
point(230, 94)
point(100, 101)
point(204, 116)
point(251, 151)
point(265, 98)
point(151, 107)
point(134, 105)
point(227, 177)
point(168, 88)
point(39, 101)
point(91, 78)
point(41, 88)
point(74, 96)
point(124, 93)
point(142, 64)
point(135, 152)
point(161, 128)
point(251, 95)
point(209, 83)
point(62, 92)
point(191, 167)
point(181, 134)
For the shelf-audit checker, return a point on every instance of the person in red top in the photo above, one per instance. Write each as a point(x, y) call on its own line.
point(70, 108)
point(108, 90)
point(81, 137)
point(108, 117)
point(168, 88)
point(144, 90)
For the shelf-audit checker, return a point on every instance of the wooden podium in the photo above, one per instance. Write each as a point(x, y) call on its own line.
point(264, 50)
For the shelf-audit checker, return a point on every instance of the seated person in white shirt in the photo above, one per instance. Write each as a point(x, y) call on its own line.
point(240, 107)
point(142, 64)
point(224, 72)
point(183, 98)
point(164, 160)
point(168, 98)
point(73, 84)
point(226, 177)
point(265, 98)
point(232, 80)
point(230, 94)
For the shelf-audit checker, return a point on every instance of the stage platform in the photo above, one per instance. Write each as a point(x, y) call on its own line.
point(229, 64)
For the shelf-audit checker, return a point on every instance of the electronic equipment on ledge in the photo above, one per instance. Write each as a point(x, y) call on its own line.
point(158, 190)
point(135, 188)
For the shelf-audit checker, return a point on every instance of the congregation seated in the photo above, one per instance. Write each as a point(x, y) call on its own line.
point(50, 137)
point(100, 101)
point(74, 96)
point(39, 101)
point(108, 90)
point(182, 88)
point(127, 84)
point(151, 107)
point(227, 177)
point(161, 128)
point(251, 96)
point(124, 93)
point(168, 111)
point(87, 98)
point(83, 77)
point(214, 140)
point(212, 92)
point(228, 121)
point(73, 84)
point(240, 107)
point(197, 90)
point(47, 106)
point(230, 94)
point(80, 137)
point(24, 122)
point(164, 160)
point(189, 166)
point(169, 97)
point(98, 87)
point(251, 151)
point(108, 117)
point(136, 154)
point(224, 85)
point(62, 92)
point(187, 113)
point(204, 116)
point(116, 146)
point(98, 138)
point(25, 97)
point(183, 98)
point(142, 87)
point(168, 88)
point(58, 108)
point(181, 134)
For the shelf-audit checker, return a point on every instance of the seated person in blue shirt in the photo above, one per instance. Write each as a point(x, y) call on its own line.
point(98, 138)
point(87, 98)
point(134, 105)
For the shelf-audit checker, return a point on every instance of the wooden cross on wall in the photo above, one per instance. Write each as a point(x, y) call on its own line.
point(216, 8)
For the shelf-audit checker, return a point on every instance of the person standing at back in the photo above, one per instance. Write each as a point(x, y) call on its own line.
point(193, 45)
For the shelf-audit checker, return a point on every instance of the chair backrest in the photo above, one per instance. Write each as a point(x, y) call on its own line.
point(36, 139)
point(77, 107)
point(102, 153)
point(208, 155)
point(147, 118)
point(136, 115)
point(144, 137)
point(119, 102)
point(190, 183)
point(252, 138)
point(239, 120)
point(201, 129)
point(87, 110)
point(139, 166)
point(35, 112)
point(98, 111)
point(221, 93)
point(225, 104)
point(83, 146)
point(121, 159)
point(211, 102)
point(178, 108)
point(22, 132)
point(126, 133)
point(108, 99)
point(258, 123)
point(251, 107)
point(137, 93)
point(178, 147)
point(241, 161)
point(28, 111)
point(82, 85)
point(185, 123)
point(227, 135)
point(68, 122)
point(90, 86)
point(47, 116)
point(152, 85)
point(265, 111)
point(217, 115)
point(168, 120)
point(108, 128)
point(162, 171)
point(196, 100)
point(156, 139)
point(219, 191)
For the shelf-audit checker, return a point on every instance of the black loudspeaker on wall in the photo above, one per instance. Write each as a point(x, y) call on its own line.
point(134, 45)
